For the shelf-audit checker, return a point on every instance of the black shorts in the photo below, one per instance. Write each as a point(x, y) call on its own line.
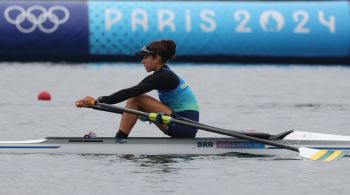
point(182, 131)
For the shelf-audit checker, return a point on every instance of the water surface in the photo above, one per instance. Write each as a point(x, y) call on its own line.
point(264, 98)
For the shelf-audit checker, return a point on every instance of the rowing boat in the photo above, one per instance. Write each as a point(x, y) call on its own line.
point(177, 146)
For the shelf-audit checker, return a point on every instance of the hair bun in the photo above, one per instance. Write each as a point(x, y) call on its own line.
point(170, 46)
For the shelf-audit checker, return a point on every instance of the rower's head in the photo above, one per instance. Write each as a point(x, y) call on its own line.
point(157, 53)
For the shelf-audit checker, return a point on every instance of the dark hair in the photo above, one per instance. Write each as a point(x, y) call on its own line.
point(166, 49)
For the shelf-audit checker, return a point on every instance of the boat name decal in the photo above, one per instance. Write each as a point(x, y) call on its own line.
point(238, 144)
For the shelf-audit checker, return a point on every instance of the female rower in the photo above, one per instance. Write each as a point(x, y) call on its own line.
point(175, 96)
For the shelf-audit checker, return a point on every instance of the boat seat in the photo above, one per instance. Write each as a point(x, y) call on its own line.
point(281, 135)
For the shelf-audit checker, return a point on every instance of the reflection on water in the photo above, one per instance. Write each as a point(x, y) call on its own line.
point(171, 159)
point(170, 164)
point(158, 163)
point(150, 160)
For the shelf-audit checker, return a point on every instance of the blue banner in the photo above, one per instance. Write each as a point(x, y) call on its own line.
point(39, 27)
point(222, 28)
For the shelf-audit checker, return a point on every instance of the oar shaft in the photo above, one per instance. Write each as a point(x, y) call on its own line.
point(116, 109)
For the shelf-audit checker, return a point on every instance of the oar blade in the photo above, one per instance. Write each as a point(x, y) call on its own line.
point(322, 155)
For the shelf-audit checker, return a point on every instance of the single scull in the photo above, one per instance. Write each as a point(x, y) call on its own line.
point(178, 146)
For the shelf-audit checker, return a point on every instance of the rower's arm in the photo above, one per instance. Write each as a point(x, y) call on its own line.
point(159, 80)
point(125, 94)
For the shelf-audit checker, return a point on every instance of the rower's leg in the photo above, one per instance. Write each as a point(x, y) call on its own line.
point(145, 103)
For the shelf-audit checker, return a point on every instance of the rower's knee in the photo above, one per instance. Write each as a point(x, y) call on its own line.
point(134, 101)
point(131, 102)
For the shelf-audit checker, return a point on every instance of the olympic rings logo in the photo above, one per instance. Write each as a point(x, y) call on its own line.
point(37, 16)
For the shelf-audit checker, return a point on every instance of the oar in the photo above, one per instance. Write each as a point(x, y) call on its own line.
point(96, 107)
point(309, 153)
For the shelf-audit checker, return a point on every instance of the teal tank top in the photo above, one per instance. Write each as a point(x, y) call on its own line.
point(179, 99)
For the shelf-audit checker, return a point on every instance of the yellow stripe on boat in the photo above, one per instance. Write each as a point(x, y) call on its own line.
point(318, 154)
point(336, 154)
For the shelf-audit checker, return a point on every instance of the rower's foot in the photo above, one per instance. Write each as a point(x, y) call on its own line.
point(121, 134)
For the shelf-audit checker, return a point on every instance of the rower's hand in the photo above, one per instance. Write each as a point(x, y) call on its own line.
point(86, 102)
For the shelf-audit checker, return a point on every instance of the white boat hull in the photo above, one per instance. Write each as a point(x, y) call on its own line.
point(173, 146)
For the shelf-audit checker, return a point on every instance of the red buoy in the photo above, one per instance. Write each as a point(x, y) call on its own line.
point(44, 95)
